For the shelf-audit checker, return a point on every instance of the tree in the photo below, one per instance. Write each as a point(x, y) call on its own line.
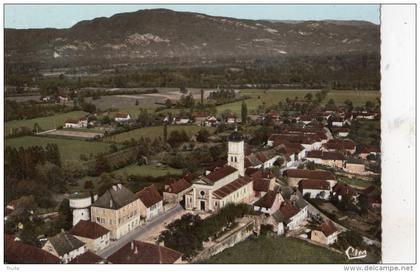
point(65, 214)
point(165, 132)
point(137, 102)
point(202, 97)
point(349, 104)
point(102, 165)
point(308, 96)
point(88, 185)
point(203, 135)
point(168, 103)
point(244, 112)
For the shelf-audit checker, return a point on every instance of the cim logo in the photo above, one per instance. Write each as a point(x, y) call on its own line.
point(354, 253)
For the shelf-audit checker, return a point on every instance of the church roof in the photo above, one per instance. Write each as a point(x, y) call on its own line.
point(235, 136)
point(231, 187)
point(220, 173)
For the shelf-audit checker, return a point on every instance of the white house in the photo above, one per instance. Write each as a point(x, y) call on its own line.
point(65, 246)
point(291, 215)
point(151, 202)
point(327, 234)
point(269, 203)
point(181, 120)
point(315, 188)
point(95, 236)
point(72, 123)
point(122, 117)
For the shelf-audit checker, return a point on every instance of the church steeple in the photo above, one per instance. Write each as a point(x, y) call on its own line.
point(236, 153)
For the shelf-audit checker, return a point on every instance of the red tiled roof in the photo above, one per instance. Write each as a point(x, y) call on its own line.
point(16, 252)
point(231, 187)
point(149, 196)
point(309, 174)
point(121, 115)
point(88, 229)
point(137, 252)
point(325, 155)
point(316, 184)
point(261, 184)
point(288, 209)
point(178, 186)
point(339, 144)
point(344, 189)
point(370, 149)
point(328, 228)
point(220, 173)
point(87, 258)
point(267, 200)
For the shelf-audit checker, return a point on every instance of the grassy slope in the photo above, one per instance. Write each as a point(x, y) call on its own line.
point(45, 123)
point(276, 250)
point(69, 149)
point(153, 132)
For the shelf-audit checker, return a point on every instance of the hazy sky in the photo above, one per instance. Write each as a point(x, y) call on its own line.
point(64, 16)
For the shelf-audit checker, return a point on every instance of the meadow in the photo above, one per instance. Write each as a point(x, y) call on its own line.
point(70, 149)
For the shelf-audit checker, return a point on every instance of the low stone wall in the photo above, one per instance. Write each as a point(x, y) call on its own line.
point(245, 229)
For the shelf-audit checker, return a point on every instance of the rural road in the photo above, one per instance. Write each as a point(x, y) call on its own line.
point(137, 234)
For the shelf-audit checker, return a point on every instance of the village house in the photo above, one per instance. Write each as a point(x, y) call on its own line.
point(291, 153)
point(151, 202)
point(326, 235)
point(291, 215)
point(117, 210)
point(87, 258)
point(344, 191)
point(269, 203)
point(122, 117)
point(261, 159)
point(315, 188)
point(223, 185)
point(369, 150)
point(181, 120)
point(95, 236)
point(211, 121)
point(346, 146)
point(175, 191)
point(200, 118)
point(232, 119)
point(338, 121)
point(295, 175)
point(365, 115)
point(65, 246)
point(137, 252)
point(355, 167)
point(17, 252)
point(333, 159)
point(73, 123)
point(263, 181)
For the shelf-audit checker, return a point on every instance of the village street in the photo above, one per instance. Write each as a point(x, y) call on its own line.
point(143, 232)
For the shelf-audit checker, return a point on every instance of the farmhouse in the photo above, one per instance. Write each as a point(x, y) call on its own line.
point(137, 252)
point(315, 188)
point(95, 236)
point(74, 123)
point(151, 202)
point(117, 210)
point(295, 175)
point(269, 203)
point(334, 159)
point(327, 234)
point(17, 252)
point(65, 246)
point(122, 117)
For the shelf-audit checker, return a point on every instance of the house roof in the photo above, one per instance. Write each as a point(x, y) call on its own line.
point(121, 115)
point(17, 252)
point(178, 186)
point(288, 210)
point(325, 155)
point(328, 228)
point(231, 187)
point(149, 196)
point(308, 174)
point(88, 229)
point(337, 144)
point(220, 173)
point(261, 184)
point(72, 121)
point(316, 184)
point(267, 200)
point(370, 149)
point(115, 198)
point(87, 258)
point(344, 189)
point(137, 252)
point(64, 243)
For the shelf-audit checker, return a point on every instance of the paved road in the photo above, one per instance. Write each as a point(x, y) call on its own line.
point(136, 233)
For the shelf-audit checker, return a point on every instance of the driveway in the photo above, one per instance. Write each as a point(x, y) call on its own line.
point(141, 232)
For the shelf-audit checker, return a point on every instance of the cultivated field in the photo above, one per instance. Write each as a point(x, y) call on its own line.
point(69, 149)
point(272, 97)
point(148, 170)
point(74, 133)
point(45, 123)
point(153, 132)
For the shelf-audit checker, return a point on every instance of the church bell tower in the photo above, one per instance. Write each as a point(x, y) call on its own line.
point(236, 153)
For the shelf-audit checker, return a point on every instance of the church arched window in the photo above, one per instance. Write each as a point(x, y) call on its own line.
point(236, 159)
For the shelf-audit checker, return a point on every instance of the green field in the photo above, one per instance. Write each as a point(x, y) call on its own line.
point(276, 250)
point(148, 170)
point(45, 123)
point(153, 132)
point(69, 149)
point(272, 97)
